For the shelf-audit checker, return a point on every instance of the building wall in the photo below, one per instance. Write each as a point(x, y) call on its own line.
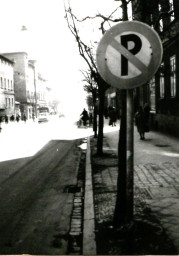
point(28, 84)
point(24, 82)
point(20, 74)
point(42, 91)
point(7, 101)
point(165, 106)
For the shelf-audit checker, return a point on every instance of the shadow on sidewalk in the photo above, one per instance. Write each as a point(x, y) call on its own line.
point(147, 235)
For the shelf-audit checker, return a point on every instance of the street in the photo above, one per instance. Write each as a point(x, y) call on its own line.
point(36, 167)
point(38, 163)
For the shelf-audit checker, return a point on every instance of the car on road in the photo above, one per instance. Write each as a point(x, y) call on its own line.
point(43, 117)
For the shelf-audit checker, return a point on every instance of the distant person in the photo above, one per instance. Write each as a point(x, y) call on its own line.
point(33, 117)
point(146, 110)
point(85, 116)
point(17, 118)
point(109, 114)
point(12, 118)
point(6, 119)
point(140, 123)
point(24, 118)
point(90, 119)
point(112, 116)
point(106, 113)
point(1, 120)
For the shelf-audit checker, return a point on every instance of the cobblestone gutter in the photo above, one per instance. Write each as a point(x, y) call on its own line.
point(76, 226)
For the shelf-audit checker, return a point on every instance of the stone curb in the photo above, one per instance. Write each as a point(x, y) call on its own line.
point(89, 243)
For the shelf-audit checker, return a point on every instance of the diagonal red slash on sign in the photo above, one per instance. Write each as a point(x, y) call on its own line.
point(128, 55)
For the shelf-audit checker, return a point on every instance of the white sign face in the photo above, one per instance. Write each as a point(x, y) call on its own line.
point(129, 54)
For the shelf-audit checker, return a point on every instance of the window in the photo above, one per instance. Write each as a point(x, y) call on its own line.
point(12, 102)
point(152, 94)
point(160, 21)
point(8, 84)
point(171, 10)
point(11, 86)
point(6, 102)
point(1, 83)
point(9, 102)
point(162, 82)
point(5, 83)
point(28, 94)
point(173, 76)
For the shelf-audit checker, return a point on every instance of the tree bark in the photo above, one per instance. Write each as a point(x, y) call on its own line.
point(124, 10)
point(101, 120)
point(94, 114)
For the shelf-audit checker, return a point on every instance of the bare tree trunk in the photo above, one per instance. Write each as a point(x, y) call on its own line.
point(94, 114)
point(124, 10)
point(101, 121)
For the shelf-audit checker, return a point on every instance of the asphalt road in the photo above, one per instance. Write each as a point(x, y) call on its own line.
point(35, 207)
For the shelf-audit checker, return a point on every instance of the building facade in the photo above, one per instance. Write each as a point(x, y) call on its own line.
point(7, 99)
point(21, 69)
point(42, 92)
point(162, 92)
point(29, 85)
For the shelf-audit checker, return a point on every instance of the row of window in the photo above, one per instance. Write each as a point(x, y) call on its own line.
point(171, 10)
point(172, 78)
point(30, 94)
point(6, 84)
point(173, 84)
point(40, 95)
point(9, 102)
point(164, 15)
point(5, 62)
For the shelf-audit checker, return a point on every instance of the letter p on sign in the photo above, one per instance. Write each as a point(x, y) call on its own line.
point(129, 54)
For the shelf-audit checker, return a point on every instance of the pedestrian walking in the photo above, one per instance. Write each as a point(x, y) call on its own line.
point(33, 117)
point(1, 120)
point(17, 118)
point(106, 113)
point(12, 118)
point(24, 118)
point(85, 116)
point(6, 119)
point(90, 119)
point(112, 116)
point(146, 116)
point(140, 123)
point(109, 114)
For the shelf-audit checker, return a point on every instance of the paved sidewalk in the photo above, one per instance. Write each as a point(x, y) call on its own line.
point(156, 177)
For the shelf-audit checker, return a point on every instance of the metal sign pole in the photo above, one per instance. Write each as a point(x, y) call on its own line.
point(129, 157)
point(115, 54)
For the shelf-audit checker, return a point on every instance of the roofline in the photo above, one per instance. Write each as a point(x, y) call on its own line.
point(14, 53)
point(6, 59)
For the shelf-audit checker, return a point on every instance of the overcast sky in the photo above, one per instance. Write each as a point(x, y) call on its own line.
point(48, 39)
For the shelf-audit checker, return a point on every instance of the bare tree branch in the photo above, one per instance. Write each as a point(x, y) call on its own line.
point(84, 50)
point(90, 87)
point(105, 19)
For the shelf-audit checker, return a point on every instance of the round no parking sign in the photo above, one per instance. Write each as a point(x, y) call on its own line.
point(129, 54)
